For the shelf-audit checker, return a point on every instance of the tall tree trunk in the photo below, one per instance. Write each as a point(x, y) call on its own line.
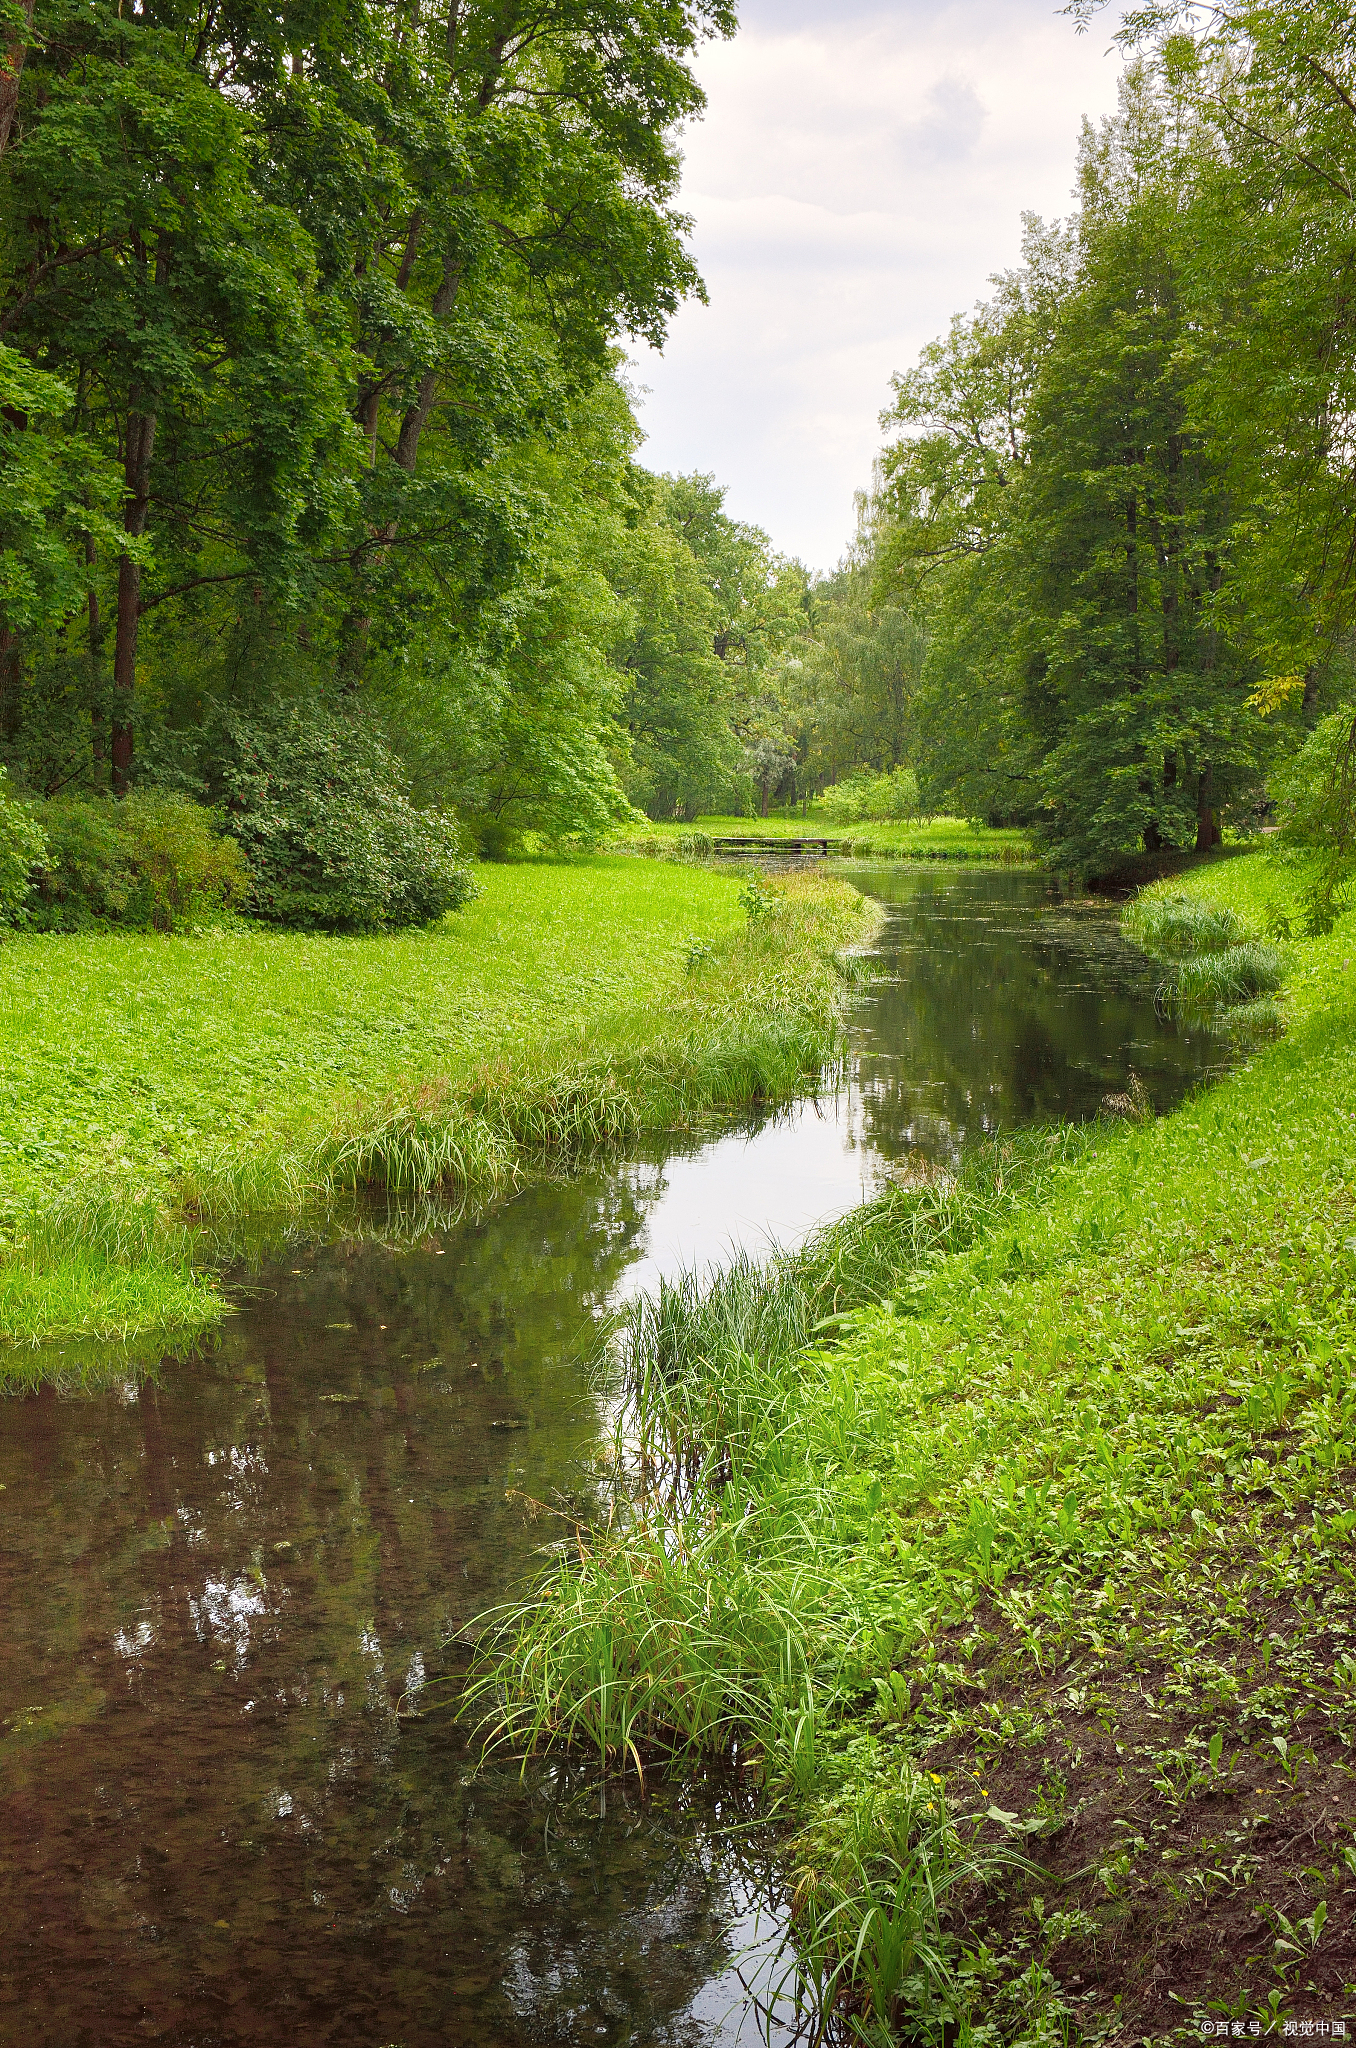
point(98, 743)
point(1208, 833)
point(11, 71)
point(9, 683)
point(137, 480)
point(417, 415)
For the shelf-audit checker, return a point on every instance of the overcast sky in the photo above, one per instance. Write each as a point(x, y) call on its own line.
point(859, 173)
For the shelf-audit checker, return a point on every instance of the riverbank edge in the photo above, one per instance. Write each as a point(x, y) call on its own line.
point(943, 840)
point(753, 1019)
point(1027, 1593)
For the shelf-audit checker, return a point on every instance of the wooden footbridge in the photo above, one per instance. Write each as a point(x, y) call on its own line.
point(753, 847)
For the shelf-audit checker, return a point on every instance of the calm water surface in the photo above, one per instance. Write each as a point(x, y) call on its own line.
point(231, 1811)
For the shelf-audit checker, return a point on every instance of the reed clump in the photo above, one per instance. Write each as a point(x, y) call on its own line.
point(1236, 974)
point(1173, 926)
point(1219, 970)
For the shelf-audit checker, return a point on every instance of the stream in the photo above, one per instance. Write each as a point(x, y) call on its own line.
point(232, 1812)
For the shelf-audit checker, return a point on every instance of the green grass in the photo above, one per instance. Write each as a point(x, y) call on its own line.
point(1172, 925)
point(1016, 1515)
point(892, 839)
point(158, 1094)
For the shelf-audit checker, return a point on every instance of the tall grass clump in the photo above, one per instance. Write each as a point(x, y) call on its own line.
point(1235, 975)
point(1217, 968)
point(684, 1629)
point(1171, 927)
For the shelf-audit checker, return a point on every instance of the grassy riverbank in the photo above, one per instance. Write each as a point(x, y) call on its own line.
point(156, 1094)
point(1007, 1534)
point(890, 839)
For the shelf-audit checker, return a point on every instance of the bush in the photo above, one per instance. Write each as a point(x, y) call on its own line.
point(497, 838)
point(22, 848)
point(318, 803)
point(873, 797)
point(153, 862)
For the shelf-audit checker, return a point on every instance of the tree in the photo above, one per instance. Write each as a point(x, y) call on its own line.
point(1080, 522)
point(942, 524)
point(56, 496)
point(310, 275)
point(717, 611)
point(1133, 682)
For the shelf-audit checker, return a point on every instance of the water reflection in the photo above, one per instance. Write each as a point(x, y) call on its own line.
point(994, 1006)
point(230, 1811)
point(1000, 1007)
point(225, 1593)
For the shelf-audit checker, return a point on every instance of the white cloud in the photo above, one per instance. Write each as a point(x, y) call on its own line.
point(858, 175)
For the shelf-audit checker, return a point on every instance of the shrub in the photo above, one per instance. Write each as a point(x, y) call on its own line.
point(873, 797)
point(153, 862)
point(184, 867)
point(318, 803)
point(497, 838)
point(22, 848)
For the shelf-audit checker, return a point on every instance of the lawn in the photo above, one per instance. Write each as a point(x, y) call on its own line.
point(145, 1080)
point(1013, 1548)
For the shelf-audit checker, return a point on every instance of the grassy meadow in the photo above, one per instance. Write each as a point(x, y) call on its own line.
point(1006, 1535)
point(157, 1093)
point(892, 839)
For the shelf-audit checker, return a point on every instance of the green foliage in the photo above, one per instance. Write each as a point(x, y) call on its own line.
point(1316, 791)
point(854, 699)
point(364, 284)
point(154, 862)
point(23, 847)
point(55, 487)
point(871, 798)
point(1112, 508)
point(716, 613)
point(317, 805)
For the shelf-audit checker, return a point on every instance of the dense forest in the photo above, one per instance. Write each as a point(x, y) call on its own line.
point(320, 467)
point(1118, 502)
